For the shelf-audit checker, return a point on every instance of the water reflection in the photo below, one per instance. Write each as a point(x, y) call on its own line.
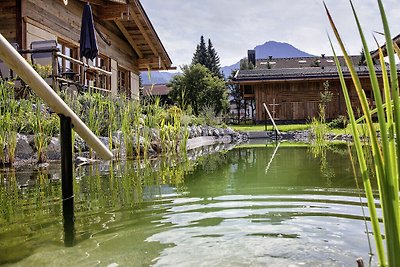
point(271, 205)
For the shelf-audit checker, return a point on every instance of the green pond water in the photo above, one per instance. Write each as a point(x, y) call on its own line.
point(250, 206)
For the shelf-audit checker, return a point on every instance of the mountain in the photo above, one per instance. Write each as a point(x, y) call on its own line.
point(157, 77)
point(270, 48)
point(278, 50)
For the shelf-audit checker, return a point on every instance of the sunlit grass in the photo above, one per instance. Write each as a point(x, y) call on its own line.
point(282, 128)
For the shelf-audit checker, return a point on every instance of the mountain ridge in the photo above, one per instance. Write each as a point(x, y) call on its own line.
point(269, 48)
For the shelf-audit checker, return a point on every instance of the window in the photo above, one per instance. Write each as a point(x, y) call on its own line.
point(248, 90)
point(124, 82)
point(102, 62)
point(70, 51)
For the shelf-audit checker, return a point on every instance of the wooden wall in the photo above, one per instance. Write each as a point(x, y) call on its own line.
point(54, 18)
point(8, 19)
point(299, 100)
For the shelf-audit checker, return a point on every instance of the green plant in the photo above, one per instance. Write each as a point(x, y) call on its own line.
point(44, 126)
point(340, 122)
point(385, 150)
point(9, 122)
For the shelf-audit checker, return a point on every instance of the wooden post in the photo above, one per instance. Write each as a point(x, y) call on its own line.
point(54, 71)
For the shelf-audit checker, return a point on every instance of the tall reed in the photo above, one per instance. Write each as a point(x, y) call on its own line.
point(385, 150)
point(44, 126)
point(9, 122)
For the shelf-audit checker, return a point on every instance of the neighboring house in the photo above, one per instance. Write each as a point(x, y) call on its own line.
point(157, 90)
point(375, 54)
point(127, 41)
point(294, 93)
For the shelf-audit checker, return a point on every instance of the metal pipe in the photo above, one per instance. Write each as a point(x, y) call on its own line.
point(67, 182)
point(19, 65)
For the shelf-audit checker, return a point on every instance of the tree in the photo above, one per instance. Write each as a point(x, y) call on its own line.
point(213, 63)
point(200, 55)
point(199, 88)
point(208, 57)
point(245, 64)
point(361, 61)
point(236, 95)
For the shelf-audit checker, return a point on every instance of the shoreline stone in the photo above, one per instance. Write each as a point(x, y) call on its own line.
point(199, 136)
point(25, 153)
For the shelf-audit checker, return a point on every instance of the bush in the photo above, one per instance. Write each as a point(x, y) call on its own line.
point(340, 122)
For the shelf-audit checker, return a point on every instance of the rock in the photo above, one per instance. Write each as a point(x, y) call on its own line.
point(23, 149)
point(79, 161)
point(104, 140)
point(80, 144)
point(204, 131)
point(215, 132)
point(118, 135)
point(192, 131)
point(156, 146)
point(229, 131)
point(155, 134)
point(54, 149)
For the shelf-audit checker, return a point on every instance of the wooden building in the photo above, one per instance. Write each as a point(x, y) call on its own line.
point(127, 41)
point(294, 94)
point(161, 91)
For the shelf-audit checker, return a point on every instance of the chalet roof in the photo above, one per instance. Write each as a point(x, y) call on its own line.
point(156, 90)
point(286, 74)
point(134, 24)
point(375, 53)
point(303, 62)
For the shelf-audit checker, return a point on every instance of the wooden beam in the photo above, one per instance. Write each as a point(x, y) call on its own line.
point(119, 1)
point(122, 28)
point(148, 61)
point(105, 2)
point(95, 2)
point(135, 18)
point(113, 11)
point(152, 32)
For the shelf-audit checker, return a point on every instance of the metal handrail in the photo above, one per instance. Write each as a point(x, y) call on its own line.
point(20, 66)
point(272, 119)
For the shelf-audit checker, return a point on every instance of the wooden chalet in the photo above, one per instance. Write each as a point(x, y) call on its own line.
point(127, 41)
point(294, 93)
point(161, 91)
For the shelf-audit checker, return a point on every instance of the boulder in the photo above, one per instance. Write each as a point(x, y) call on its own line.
point(23, 149)
point(54, 149)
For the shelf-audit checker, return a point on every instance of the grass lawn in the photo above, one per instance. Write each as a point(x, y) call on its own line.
point(282, 128)
point(295, 127)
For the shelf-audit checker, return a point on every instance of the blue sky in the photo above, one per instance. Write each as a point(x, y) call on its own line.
point(237, 25)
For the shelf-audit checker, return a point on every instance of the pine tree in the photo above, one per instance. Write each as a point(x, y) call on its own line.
point(200, 56)
point(208, 57)
point(213, 63)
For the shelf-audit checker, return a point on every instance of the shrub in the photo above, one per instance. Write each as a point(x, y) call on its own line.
point(340, 122)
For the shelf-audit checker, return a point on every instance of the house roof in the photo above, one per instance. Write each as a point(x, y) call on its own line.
point(287, 74)
point(156, 89)
point(375, 53)
point(133, 22)
point(303, 62)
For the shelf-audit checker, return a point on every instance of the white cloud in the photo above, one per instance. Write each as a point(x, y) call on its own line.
point(237, 25)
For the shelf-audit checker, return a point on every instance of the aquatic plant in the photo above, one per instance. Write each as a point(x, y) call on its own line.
point(385, 150)
point(9, 115)
point(44, 126)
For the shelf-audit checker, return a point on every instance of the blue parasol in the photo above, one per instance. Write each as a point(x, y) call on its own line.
point(88, 42)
